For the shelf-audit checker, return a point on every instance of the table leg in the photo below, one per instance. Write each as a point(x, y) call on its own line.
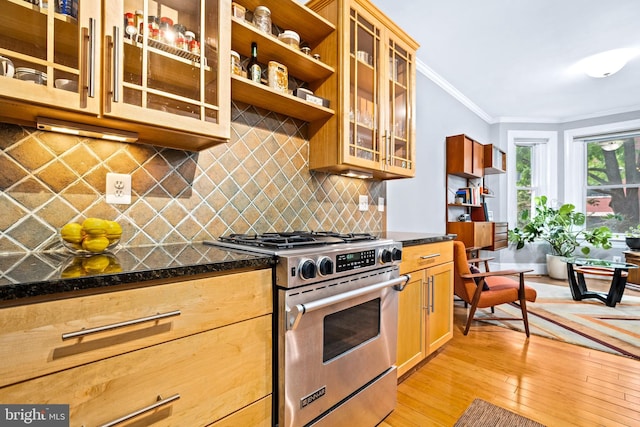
point(618, 284)
point(578, 288)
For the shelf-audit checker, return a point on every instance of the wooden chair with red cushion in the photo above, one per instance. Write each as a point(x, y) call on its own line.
point(502, 289)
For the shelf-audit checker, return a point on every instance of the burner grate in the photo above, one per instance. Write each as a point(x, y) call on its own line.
point(294, 239)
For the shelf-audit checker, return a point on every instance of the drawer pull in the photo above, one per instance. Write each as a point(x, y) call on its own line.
point(429, 256)
point(84, 332)
point(160, 402)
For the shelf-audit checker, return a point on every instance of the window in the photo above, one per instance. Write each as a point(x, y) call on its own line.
point(603, 169)
point(612, 181)
point(533, 168)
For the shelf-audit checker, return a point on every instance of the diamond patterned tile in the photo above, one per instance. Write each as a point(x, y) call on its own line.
point(30, 153)
point(258, 182)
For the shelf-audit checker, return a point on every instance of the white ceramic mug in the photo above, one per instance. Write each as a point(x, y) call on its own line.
point(6, 67)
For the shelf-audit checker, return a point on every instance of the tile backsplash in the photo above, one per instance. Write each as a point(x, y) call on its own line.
point(256, 183)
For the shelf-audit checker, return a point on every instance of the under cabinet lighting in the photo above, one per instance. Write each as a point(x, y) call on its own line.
point(72, 128)
point(357, 174)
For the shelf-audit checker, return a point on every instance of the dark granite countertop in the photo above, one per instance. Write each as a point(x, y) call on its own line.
point(413, 239)
point(49, 275)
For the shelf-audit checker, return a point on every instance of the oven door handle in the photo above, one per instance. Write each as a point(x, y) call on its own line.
point(294, 314)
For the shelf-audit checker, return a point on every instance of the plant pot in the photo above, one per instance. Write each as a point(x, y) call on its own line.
point(556, 267)
point(633, 243)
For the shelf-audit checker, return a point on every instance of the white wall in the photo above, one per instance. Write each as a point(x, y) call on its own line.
point(418, 204)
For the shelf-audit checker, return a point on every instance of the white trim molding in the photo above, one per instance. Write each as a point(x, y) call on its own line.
point(547, 155)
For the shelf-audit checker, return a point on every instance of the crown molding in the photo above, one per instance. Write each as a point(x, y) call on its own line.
point(451, 90)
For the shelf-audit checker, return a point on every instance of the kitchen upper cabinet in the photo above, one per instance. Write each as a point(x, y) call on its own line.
point(55, 57)
point(140, 76)
point(374, 127)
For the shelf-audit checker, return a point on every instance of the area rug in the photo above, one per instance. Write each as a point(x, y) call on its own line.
point(589, 323)
point(484, 414)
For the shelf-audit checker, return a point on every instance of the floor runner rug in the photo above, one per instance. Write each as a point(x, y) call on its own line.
point(589, 323)
point(484, 414)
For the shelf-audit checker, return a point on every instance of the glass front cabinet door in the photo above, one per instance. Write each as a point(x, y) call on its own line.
point(49, 55)
point(155, 67)
point(375, 127)
point(163, 63)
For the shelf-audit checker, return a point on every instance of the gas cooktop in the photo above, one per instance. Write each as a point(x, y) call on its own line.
point(295, 239)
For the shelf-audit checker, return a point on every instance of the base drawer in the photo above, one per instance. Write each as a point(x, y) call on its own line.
point(191, 306)
point(213, 373)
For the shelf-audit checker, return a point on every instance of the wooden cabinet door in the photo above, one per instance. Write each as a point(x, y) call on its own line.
point(439, 306)
point(410, 324)
point(159, 83)
point(62, 49)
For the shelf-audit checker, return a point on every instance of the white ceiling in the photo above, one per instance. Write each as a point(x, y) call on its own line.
point(512, 59)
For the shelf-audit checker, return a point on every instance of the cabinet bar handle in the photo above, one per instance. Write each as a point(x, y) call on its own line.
point(84, 68)
point(159, 403)
point(84, 332)
point(429, 256)
point(116, 63)
point(92, 57)
point(433, 295)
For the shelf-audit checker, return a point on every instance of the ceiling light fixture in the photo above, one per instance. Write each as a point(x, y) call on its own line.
point(607, 63)
point(351, 173)
point(80, 129)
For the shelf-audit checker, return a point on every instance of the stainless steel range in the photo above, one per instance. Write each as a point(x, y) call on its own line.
point(337, 310)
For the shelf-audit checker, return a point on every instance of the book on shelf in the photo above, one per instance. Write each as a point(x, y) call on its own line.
point(469, 195)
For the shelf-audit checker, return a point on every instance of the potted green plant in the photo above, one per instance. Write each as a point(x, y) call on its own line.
point(563, 229)
point(632, 238)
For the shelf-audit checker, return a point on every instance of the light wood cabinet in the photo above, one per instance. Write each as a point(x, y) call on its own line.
point(166, 94)
point(373, 131)
point(112, 354)
point(302, 69)
point(425, 311)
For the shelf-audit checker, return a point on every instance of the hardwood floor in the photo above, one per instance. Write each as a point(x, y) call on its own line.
point(551, 382)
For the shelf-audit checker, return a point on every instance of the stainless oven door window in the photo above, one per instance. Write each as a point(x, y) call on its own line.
point(347, 329)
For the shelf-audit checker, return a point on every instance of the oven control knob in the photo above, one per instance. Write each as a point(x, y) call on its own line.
point(385, 256)
point(325, 266)
point(307, 269)
point(396, 254)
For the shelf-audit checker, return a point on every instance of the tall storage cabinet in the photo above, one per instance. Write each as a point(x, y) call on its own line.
point(425, 311)
point(122, 76)
point(373, 131)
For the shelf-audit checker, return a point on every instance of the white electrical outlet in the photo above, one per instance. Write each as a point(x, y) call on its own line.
point(364, 203)
point(380, 204)
point(118, 188)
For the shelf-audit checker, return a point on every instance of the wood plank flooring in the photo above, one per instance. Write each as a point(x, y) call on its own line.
point(551, 382)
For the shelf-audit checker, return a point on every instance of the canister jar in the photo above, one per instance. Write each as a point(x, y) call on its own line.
point(278, 76)
point(235, 63)
point(290, 38)
point(262, 18)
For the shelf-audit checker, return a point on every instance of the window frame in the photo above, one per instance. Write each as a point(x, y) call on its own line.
point(544, 173)
point(575, 188)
